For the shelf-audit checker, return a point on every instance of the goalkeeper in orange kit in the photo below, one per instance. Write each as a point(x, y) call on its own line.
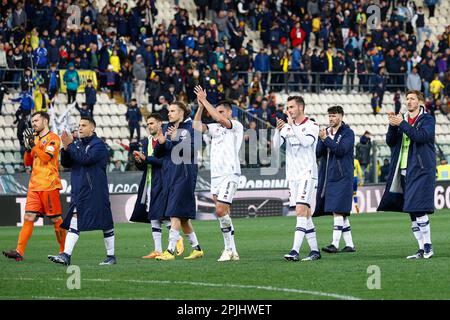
point(43, 199)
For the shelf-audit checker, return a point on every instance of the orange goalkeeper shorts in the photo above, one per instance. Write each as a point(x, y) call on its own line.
point(44, 203)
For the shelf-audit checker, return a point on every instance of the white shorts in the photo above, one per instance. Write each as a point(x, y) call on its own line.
point(302, 192)
point(225, 187)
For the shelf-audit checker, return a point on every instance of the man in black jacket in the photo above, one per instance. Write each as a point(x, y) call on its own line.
point(3, 91)
point(275, 68)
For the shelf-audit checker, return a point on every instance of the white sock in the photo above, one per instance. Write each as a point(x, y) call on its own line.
point(174, 235)
point(233, 243)
point(337, 230)
point(71, 237)
point(299, 233)
point(225, 226)
point(108, 236)
point(157, 234)
point(347, 233)
point(193, 240)
point(417, 234)
point(425, 229)
point(168, 224)
point(311, 235)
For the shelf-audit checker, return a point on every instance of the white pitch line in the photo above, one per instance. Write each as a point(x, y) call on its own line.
point(207, 284)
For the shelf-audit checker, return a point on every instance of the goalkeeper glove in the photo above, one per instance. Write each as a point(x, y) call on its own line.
point(28, 139)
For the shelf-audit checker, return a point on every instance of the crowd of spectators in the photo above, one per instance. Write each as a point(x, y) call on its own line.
point(308, 45)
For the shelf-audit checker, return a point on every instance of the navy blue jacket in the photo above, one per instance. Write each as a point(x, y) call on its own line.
point(84, 112)
point(338, 188)
point(157, 199)
point(418, 195)
point(88, 159)
point(133, 116)
point(179, 179)
point(91, 95)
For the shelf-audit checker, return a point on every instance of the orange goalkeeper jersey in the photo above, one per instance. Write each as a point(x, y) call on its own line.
point(44, 157)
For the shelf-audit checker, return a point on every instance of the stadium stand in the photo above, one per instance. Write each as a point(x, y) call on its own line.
point(164, 17)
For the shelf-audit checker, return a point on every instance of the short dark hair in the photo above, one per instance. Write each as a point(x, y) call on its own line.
point(42, 114)
point(90, 120)
point(155, 116)
point(89, 80)
point(336, 110)
point(298, 100)
point(225, 103)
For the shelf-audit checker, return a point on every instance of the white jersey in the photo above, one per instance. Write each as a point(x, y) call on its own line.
point(301, 141)
point(225, 146)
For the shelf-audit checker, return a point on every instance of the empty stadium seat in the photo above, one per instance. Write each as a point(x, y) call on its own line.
point(9, 157)
point(8, 121)
point(124, 132)
point(106, 121)
point(9, 145)
point(9, 169)
point(99, 131)
point(10, 108)
point(107, 132)
point(115, 121)
point(17, 157)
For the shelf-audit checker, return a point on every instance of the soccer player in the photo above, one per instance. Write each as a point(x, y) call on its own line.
point(226, 139)
point(412, 177)
point(335, 189)
point(150, 202)
point(176, 147)
point(357, 181)
point(300, 135)
point(42, 152)
point(90, 208)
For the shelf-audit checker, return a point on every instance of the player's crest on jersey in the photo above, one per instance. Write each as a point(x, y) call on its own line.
point(183, 134)
point(304, 129)
point(44, 142)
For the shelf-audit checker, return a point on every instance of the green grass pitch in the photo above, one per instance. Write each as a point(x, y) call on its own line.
point(383, 240)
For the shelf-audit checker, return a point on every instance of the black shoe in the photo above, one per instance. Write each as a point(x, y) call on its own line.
point(417, 255)
point(62, 258)
point(330, 249)
point(292, 256)
point(313, 255)
point(348, 249)
point(13, 254)
point(110, 260)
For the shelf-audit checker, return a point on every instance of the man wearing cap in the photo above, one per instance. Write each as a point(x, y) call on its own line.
point(140, 75)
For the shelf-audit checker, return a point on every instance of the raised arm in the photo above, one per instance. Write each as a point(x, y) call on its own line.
point(197, 123)
point(307, 137)
point(201, 97)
